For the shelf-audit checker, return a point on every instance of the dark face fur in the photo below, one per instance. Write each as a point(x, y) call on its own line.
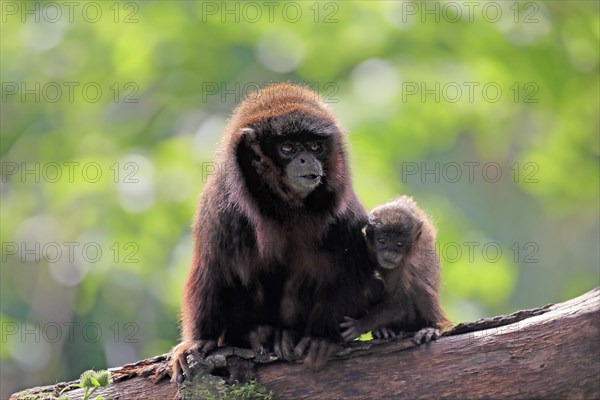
point(392, 236)
point(302, 159)
point(299, 146)
point(287, 160)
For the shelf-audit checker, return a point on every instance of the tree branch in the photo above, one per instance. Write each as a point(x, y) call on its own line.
point(547, 352)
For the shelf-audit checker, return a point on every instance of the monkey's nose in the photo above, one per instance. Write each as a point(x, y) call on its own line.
point(302, 161)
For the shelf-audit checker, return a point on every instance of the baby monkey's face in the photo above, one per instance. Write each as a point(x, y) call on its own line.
point(389, 246)
point(392, 230)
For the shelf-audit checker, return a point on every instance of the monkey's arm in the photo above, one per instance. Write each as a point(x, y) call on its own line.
point(202, 320)
point(428, 307)
point(221, 246)
point(320, 334)
point(426, 300)
point(202, 314)
point(343, 290)
point(379, 316)
point(374, 290)
point(352, 286)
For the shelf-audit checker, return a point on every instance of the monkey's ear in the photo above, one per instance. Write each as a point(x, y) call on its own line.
point(418, 230)
point(371, 220)
point(368, 229)
point(247, 133)
point(247, 136)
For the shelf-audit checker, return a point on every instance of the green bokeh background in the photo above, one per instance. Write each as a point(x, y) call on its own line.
point(414, 84)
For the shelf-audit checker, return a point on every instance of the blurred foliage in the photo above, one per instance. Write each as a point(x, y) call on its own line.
point(111, 112)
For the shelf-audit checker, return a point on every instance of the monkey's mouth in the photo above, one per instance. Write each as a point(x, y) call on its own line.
point(304, 182)
point(311, 177)
point(389, 262)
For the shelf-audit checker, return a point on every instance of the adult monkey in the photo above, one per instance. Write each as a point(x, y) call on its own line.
point(278, 243)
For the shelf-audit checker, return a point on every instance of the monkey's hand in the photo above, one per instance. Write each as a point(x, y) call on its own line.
point(284, 343)
point(426, 335)
point(318, 351)
point(351, 329)
point(384, 333)
point(179, 364)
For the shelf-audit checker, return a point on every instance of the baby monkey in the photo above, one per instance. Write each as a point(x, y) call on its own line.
point(401, 240)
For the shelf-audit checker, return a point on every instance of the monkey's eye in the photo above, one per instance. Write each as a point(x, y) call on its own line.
point(382, 240)
point(315, 147)
point(287, 148)
point(400, 244)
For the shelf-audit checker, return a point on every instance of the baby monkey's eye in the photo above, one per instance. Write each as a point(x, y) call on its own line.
point(382, 240)
point(400, 244)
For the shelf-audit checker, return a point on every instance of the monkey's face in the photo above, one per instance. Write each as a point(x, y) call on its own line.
point(392, 231)
point(302, 160)
point(293, 162)
point(389, 246)
point(299, 146)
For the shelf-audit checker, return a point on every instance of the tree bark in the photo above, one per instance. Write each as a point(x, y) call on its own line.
point(548, 352)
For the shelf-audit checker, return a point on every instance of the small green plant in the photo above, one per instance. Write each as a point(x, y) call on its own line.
point(248, 391)
point(91, 381)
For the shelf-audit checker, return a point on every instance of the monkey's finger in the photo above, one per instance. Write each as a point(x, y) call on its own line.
point(346, 335)
point(350, 334)
point(179, 377)
point(183, 366)
point(311, 357)
point(277, 344)
point(392, 333)
point(207, 347)
point(418, 338)
point(302, 346)
point(432, 334)
point(428, 336)
point(386, 333)
point(323, 353)
point(331, 348)
point(348, 324)
point(425, 335)
point(376, 334)
point(254, 342)
point(287, 345)
point(287, 353)
point(278, 352)
point(422, 336)
point(177, 372)
point(348, 319)
point(283, 349)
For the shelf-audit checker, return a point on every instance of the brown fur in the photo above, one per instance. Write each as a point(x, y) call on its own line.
point(411, 289)
point(263, 255)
